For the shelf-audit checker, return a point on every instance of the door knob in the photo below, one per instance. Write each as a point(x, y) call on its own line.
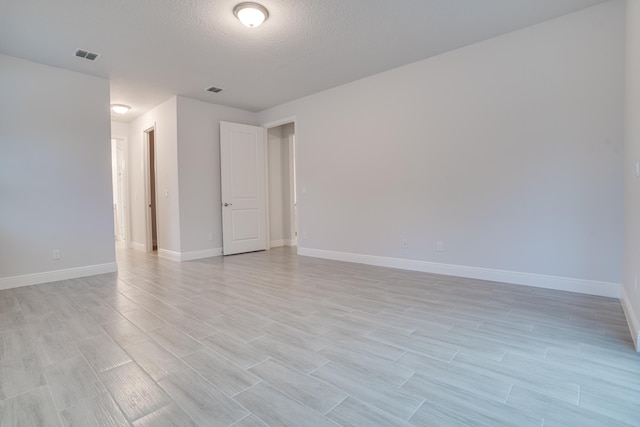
point(227, 204)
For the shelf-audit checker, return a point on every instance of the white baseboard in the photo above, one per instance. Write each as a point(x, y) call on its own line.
point(282, 242)
point(188, 256)
point(138, 246)
point(632, 318)
point(54, 276)
point(167, 254)
point(605, 289)
point(207, 253)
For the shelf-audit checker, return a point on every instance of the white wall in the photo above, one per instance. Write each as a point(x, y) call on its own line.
point(199, 169)
point(508, 151)
point(55, 174)
point(167, 202)
point(631, 291)
point(119, 130)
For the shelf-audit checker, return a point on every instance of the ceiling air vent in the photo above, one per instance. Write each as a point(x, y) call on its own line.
point(91, 56)
point(214, 89)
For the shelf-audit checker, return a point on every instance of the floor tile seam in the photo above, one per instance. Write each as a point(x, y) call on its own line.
point(336, 405)
point(469, 372)
point(525, 383)
point(24, 392)
point(58, 413)
point(258, 363)
point(508, 394)
point(591, 410)
point(315, 369)
point(404, 352)
point(111, 395)
point(407, 380)
point(589, 373)
point(361, 400)
point(355, 367)
point(371, 381)
point(31, 342)
point(97, 376)
point(416, 410)
point(494, 398)
point(47, 383)
point(304, 404)
point(165, 348)
point(208, 381)
point(249, 413)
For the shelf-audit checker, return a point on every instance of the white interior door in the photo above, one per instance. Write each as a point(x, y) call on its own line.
point(243, 181)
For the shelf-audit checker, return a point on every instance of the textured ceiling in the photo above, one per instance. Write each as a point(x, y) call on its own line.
point(155, 49)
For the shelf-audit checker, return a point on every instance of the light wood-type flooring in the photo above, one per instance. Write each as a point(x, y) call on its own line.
point(273, 339)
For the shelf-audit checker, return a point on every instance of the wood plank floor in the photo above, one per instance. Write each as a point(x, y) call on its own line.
point(273, 339)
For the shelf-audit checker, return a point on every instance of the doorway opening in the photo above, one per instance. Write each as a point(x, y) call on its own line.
point(152, 217)
point(119, 180)
point(283, 218)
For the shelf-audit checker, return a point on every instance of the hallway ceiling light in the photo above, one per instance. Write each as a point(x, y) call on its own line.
point(120, 108)
point(251, 14)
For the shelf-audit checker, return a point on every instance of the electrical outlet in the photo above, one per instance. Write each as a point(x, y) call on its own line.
point(304, 235)
point(404, 243)
point(56, 254)
point(211, 237)
point(439, 246)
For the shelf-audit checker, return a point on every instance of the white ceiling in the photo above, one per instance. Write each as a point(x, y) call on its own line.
point(155, 49)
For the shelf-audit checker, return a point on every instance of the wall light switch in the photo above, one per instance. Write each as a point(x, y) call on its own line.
point(166, 192)
point(638, 168)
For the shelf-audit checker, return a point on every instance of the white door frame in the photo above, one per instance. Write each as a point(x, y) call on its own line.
point(148, 244)
point(126, 213)
point(292, 176)
point(292, 190)
point(125, 186)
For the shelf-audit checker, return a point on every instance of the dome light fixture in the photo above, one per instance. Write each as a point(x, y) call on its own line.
point(120, 108)
point(251, 14)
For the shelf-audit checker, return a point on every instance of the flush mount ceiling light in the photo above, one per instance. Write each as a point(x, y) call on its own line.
point(251, 14)
point(120, 108)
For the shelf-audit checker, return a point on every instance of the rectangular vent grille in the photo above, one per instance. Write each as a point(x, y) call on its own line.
point(214, 89)
point(91, 56)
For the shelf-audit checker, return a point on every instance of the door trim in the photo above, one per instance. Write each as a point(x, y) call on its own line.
point(125, 179)
point(148, 244)
point(292, 177)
